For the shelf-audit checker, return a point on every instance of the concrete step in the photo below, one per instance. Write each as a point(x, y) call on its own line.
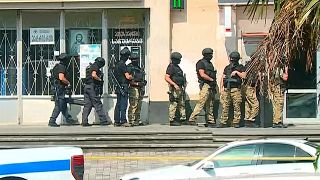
point(139, 140)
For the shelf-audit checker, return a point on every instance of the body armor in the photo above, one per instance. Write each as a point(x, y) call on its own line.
point(177, 76)
point(209, 70)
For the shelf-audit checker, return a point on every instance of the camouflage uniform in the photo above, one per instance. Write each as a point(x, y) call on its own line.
point(135, 102)
point(206, 99)
point(227, 97)
point(136, 91)
point(207, 88)
point(177, 103)
point(251, 103)
point(277, 99)
point(232, 91)
point(277, 103)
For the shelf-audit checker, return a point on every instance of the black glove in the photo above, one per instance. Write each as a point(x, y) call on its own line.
point(212, 84)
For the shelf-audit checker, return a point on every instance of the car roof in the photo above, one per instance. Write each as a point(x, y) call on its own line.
point(269, 140)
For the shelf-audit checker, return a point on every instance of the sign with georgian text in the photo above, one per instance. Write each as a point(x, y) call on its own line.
point(41, 36)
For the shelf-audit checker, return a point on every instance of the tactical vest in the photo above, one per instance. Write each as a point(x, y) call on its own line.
point(177, 75)
point(235, 81)
point(209, 70)
point(119, 75)
point(137, 73)
point(89, 78)
point(54, 76)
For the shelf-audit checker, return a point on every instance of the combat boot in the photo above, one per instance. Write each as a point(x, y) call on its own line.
point(86, 124)
point(71, 122)
point(279, 125)
point(222, 126)
point(107, 123)
point(251, 124)
point(210, 125)
point(53, 124)
point(174, 123)
point(236, 125)
point(192, 123)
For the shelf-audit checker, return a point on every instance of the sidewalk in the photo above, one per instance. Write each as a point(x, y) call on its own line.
point(153, 128)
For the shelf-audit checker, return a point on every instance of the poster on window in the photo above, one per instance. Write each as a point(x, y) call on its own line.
point(88, 53)
point(76, 38)
point(41, 36)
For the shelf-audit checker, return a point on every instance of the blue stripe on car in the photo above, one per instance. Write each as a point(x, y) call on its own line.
point(34, 167)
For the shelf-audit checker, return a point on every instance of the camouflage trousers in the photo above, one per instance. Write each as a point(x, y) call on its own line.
point(277, 100)
point(177, 103)
point(251, 103)
point(227, 97)
point(135, 102)
point(206, 99)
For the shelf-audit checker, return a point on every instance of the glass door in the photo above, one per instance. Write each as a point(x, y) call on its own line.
point(302, 97)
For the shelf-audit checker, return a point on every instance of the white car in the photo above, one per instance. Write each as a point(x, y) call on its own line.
point(252, 157)
point(49, 163)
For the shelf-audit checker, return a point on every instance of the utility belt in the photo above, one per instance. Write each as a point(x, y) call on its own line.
point(233, 88)
point(212, 84)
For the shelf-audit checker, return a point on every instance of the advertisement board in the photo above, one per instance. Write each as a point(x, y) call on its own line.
point(88, 53)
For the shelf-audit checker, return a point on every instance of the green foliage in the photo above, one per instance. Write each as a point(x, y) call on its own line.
point(315, 163)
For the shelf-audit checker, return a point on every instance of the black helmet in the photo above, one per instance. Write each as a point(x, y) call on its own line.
point(234, 56)
point(176, 55)
point(207, 51)
point(63, 57)
point(134, 57)
point(100, 61)
point(125, 52)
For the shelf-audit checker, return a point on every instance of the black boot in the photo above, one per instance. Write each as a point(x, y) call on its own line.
point(53, 124)
point(174, 123)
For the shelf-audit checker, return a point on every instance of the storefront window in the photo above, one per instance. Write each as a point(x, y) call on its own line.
point(126, 29)
point(8, 60)
point(83, 27)
point(41, 37)
point(301, 105)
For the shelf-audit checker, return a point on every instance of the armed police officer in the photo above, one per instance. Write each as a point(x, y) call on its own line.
point(60, 84)
point(93, 90)
point(136, 90)
point(251, 100)
point(207, 82)
point(278, 87)
point(230, 87)
point(123, 78)
point(175, 78)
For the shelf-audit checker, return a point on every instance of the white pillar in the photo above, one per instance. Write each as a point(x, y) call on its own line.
point(19, 66)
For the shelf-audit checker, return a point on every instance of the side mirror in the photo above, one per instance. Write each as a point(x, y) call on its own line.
point(208, 166)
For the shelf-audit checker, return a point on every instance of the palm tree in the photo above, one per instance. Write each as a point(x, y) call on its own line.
point(295, 29)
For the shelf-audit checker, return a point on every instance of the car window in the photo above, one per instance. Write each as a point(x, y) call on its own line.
point(303, 156)
point(274, 153)
point(236, 156)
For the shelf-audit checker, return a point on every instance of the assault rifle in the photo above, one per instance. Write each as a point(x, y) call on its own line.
point(69, 99)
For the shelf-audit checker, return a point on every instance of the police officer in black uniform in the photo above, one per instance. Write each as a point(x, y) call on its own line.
point(123, 77)
point(60, 85)
point(93, 91)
